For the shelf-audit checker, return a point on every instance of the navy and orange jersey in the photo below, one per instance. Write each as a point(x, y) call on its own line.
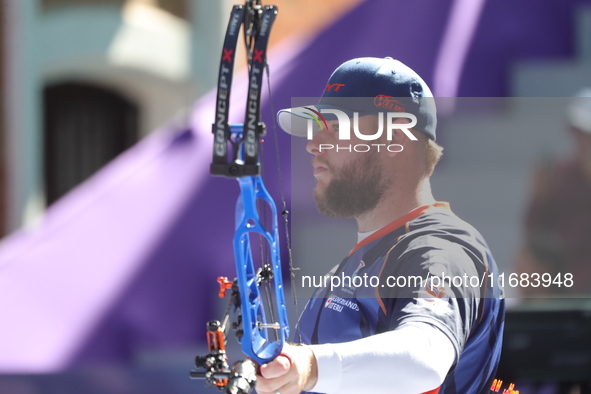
point(428, 266)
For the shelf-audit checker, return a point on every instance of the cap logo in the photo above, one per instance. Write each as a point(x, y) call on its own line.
point(389, 103)
point(334, 87)
point(317, 116)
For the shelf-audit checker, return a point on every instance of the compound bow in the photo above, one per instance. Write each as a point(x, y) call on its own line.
point(261, 327)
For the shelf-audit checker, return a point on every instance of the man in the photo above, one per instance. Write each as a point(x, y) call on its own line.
point(433, 334)
point(558, 220)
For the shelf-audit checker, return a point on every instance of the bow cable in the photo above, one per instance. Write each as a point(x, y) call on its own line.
point(293, 271)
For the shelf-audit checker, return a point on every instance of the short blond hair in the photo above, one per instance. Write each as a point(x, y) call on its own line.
point(433, 152)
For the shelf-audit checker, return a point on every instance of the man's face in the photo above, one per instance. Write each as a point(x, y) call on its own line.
point(348, 184)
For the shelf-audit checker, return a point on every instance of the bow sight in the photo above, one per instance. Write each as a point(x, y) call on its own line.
point(257, 299)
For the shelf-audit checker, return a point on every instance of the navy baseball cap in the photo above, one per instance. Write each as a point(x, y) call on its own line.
point(368, 86)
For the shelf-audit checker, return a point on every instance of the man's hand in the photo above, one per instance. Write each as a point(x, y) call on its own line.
point(291, 372)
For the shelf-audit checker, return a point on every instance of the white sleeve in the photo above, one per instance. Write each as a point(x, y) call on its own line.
point(412, 359)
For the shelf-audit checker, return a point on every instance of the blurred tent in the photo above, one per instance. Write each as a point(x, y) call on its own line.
point(128, 260)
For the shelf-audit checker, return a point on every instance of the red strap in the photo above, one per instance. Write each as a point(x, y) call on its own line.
point(289, 358)
point(436, 391)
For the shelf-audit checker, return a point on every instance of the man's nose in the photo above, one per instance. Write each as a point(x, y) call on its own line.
point(313, 145)
point(321, 137)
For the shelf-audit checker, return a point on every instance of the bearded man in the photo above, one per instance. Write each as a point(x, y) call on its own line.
point(431, 332)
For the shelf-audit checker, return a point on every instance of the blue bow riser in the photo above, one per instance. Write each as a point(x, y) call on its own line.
point(256, 343)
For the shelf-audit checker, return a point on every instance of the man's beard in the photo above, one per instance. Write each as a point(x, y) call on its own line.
point(355, 189)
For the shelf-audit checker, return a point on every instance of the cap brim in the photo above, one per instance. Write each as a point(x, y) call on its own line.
point(296, 121)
